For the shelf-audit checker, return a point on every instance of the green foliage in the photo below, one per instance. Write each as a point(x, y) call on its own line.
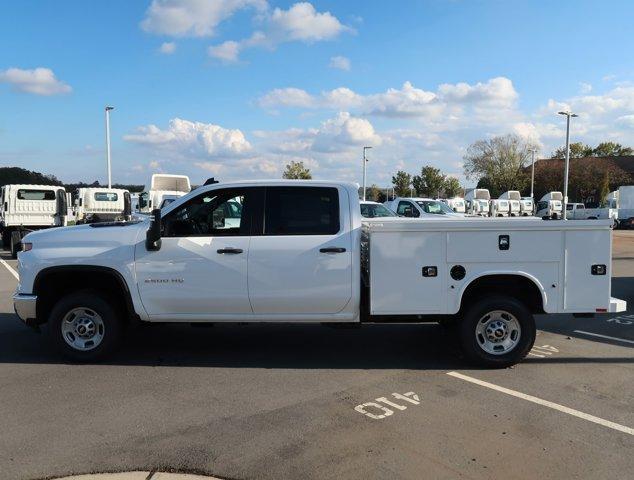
point(297, 171)
point(605, 188)
point(501, 160)
point(430, 182)
point(402, 182)
point(577, 150)
point(12, 175)
point(604, 149)
point(452, 187)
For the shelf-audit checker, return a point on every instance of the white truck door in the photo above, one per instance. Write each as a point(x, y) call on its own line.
point(200, 271)
point(302, 261)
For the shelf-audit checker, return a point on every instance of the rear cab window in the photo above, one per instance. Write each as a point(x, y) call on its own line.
point(32, 194)
point(301, 211)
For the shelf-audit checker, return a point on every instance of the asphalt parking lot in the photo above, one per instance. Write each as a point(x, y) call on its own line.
point(300, 402)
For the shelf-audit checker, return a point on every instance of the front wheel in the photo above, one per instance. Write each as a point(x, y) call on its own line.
point(497, 332)
point(84, 326)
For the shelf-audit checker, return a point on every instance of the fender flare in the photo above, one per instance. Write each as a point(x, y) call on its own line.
point(492, 273)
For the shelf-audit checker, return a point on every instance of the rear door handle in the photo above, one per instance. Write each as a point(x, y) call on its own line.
point(229, 250)
point(332, 250)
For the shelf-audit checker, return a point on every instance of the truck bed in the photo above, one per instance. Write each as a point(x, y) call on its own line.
point(400, 256)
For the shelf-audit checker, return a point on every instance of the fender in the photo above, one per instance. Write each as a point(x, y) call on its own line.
point(491, 273)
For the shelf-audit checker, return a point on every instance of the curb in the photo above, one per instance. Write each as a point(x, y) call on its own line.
point(137, 476)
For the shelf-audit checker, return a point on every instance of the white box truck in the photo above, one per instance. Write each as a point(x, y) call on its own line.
point(96, 204)
point(526, 206)
point(550, 205)
point(625, 212)
point(164, 189)
point(514, 198)
point(300, 252)
point(25, 208)
point(477, 202)
point(499, 208)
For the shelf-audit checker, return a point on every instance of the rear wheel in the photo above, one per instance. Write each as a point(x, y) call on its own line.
point(497, 332)
point(84, 326)
point(6, 238)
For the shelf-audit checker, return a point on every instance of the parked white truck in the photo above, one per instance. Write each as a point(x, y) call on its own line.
point(297, 256)
point(477, 202)
point(102, 205)
point(25, 208)
point(514, 198)
point(457, 204)
point(624, 199)
point(416, 207)
point(578, 211)
point(499, 208)
point(164, 189)
point(526, 206)
point(550, 206)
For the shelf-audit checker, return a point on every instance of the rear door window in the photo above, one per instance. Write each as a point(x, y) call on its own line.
point(301, 211)
point(32, 194)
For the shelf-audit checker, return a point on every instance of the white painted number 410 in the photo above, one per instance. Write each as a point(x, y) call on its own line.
point(377, 411)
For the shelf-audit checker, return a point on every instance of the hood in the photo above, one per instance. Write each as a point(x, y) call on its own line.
point(105, 235)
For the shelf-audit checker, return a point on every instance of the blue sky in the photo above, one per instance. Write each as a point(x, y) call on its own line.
point(238, 88)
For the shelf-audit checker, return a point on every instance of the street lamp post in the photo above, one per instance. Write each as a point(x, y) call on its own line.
point(533, 150)
point(568, 115)
point(365, 160)
point(108, 108)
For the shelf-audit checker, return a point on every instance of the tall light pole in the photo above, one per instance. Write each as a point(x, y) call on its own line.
point(568, 115)
point(108, 108)
point(365, 160)
point(533, 150)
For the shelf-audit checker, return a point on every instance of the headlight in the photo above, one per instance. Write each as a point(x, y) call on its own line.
point(26, 246)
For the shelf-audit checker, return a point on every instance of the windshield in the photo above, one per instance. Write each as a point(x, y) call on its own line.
point(370, 210)
point(432, 206)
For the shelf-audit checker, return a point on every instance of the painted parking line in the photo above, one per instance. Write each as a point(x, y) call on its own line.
point(616, 339)
point(545, 403)
point(10, 268)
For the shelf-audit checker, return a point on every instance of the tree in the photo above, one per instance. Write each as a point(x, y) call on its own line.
point(605, 188)
point(611, 149)
point(402, 182)
point(577, 150)
point(10, 175)
point(373, 193)
point(429, 183)
point(297, 171)
point(502, 160)
point(452, 187)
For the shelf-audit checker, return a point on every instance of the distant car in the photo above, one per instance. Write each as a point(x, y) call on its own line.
point(421, 207)
point(375, 210)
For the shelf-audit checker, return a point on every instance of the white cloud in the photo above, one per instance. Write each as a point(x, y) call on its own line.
point(167, 48)
point(345, 131)
point(38, 81)
point(300, 23)
point(585, 88)
point(227, 51)
point(195, 18)
point(407, 101)
point(194, 139)
point(340, 63)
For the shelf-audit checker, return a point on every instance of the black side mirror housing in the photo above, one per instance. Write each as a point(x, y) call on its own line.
point(153, 235)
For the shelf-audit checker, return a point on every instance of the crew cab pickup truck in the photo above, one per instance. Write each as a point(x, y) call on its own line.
point(300, 252)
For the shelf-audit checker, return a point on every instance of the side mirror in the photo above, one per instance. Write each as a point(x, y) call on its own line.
point(127, 204)
point(153, 235)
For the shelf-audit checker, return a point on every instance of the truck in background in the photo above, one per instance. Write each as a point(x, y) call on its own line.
point(526, 206)
point(624, 200)
point(477, 202)
point(164, 189)
point(94, 205)
point(457, 204)
point(514, 197)
point(499, 208)
point(26, 208)
point(550, 206)
point(578, 211)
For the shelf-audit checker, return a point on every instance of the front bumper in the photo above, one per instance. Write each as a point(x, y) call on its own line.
point(24, 306)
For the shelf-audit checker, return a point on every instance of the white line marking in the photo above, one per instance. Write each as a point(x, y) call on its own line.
point(536, 355)
point(10, 268)
point(604, 336)
point(546, 403)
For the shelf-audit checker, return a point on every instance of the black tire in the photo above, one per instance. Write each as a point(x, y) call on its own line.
point(16, 244)
point(471, 343)
point(6, 238)
point(98, 303)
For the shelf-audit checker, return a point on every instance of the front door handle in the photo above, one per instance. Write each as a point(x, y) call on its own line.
point(229, 250)
point(332, 250)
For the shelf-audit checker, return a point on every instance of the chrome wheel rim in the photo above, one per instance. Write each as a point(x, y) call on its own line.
point(83, 329)
point(498, 332)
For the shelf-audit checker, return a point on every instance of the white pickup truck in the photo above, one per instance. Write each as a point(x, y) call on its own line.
point(302, 253)
point(578, 211)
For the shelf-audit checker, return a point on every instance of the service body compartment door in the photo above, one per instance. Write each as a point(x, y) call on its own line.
point(402, 279)
point(583, 290)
